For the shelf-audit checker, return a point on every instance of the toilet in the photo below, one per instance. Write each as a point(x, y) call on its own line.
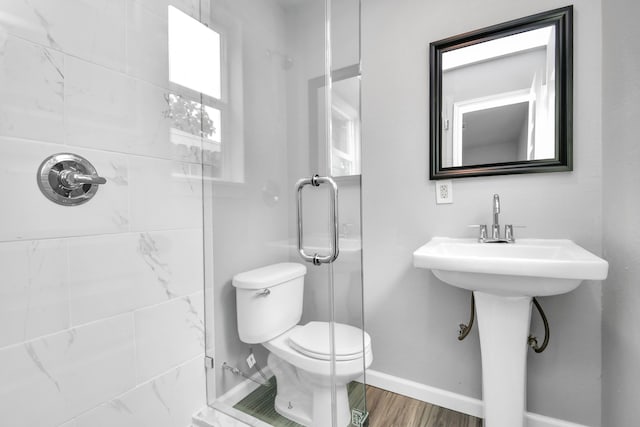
point(269, 307)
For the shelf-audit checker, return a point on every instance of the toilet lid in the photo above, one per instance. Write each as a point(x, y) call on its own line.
point(312, 340)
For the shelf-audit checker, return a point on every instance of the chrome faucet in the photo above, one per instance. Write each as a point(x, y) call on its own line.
point(495, 228)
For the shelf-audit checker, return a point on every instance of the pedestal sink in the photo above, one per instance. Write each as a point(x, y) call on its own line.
point(504, 278)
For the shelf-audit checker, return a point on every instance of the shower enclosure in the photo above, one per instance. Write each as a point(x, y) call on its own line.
point(292, 93)
point(150, 153)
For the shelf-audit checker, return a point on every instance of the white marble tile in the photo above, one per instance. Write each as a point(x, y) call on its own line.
point(71, 423)
point(166, 401)
point(193, 8)
point(171, 263)
point(165, 194)
point(33, 290)
point(31, 90)
point(89, 29)
point(152, 134)
point(210, 417)
point(32, 216)
point(168, 334)
point(109, 110)
point(147, 44)
point(66, 373)
point(99, 106)
point(104, 273)
point(120, 273)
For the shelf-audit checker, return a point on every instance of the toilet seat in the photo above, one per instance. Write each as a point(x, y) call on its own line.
point(313, 340)
point(281, 347)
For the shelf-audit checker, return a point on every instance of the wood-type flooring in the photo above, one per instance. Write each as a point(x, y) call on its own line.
point(386, 409)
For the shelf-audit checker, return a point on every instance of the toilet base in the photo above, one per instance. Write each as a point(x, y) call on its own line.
point(293, 398)
point(305, 398)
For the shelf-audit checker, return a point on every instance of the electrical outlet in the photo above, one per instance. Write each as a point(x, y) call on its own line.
point(444, 192)
point(251, 361)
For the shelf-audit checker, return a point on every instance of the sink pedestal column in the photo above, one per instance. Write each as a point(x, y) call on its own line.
point(503, 322)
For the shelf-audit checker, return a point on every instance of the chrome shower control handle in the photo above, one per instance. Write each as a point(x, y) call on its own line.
point(68, 179)
point(73, 179)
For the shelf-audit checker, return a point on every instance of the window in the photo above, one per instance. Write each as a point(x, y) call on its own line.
point(200, 105)
point(194, 54)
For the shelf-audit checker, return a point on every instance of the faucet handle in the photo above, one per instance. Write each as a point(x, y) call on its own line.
point(482, 235)
point(508, 231)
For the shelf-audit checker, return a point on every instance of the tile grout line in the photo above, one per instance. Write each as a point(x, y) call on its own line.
point(112, 234)
point(137, 386)
point(93, 322)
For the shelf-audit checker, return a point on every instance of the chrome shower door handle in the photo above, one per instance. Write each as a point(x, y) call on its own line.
point(316, 181)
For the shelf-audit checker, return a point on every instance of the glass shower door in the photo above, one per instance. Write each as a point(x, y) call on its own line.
point(291, 75)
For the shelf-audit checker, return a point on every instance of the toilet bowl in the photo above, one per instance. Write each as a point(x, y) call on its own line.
point(308, 386)
point(302, 357)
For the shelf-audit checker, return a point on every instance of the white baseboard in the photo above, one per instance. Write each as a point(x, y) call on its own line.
point(425, 393)
point(244, 388)
point(449, 400)
point(221, 412)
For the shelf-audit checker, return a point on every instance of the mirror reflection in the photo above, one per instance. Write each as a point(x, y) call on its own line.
point(498, 100)
point(338, 156)
point(344, 150)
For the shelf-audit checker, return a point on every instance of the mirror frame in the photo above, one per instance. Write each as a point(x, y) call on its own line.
point(562, 19)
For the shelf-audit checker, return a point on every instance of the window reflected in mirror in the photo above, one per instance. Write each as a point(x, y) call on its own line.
point(339, 155)
point(498, 100)
point(344, 150)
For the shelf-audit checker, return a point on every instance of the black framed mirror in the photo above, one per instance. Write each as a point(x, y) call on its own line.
point(501, 98)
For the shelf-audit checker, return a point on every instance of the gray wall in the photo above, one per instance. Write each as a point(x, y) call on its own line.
point(621, 294)
point(250, 229)
point(411, 316)
point(249, 226)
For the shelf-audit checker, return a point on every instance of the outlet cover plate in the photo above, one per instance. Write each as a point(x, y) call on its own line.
point(444, 191)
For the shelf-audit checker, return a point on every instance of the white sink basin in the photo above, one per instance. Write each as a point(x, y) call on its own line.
point(504, 278)
point(529, 267)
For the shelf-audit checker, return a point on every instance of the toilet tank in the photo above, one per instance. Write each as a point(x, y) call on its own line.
point(269, 300)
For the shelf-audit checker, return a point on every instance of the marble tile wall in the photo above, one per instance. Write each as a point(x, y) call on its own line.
point(101, 305)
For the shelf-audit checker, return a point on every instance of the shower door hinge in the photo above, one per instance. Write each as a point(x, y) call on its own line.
point(359, 418)
point(209, 362)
